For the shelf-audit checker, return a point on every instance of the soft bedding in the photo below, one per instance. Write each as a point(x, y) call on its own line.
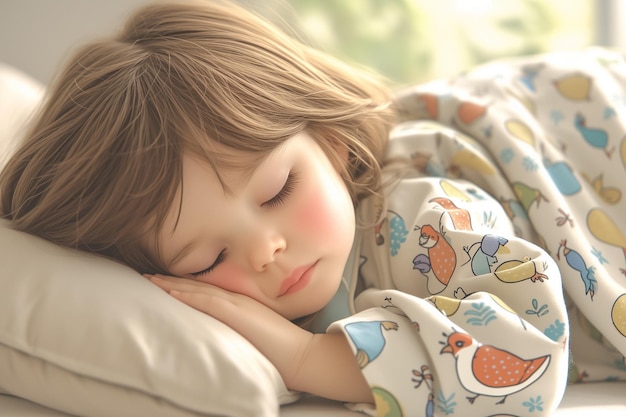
point(529, 148)
point(553, 126)
point(581, 400)
point(88, 337)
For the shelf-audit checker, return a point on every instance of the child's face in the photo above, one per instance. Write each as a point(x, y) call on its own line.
point(282, 237)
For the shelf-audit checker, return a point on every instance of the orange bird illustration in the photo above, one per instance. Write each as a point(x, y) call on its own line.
point(490, 371)
point(460, 217)
point(441, 256)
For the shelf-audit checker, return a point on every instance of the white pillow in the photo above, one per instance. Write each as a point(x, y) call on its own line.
point(19, 97)
point(90, 337)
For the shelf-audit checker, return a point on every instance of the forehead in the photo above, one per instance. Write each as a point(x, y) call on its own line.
point(232, 168)
point(239, 165)
point(220, 172)
point(225, 161)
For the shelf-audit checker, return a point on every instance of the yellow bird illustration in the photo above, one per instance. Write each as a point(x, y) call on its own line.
point(447, 305)
point(605, 229)
point(518, 270)
point(453, 191)
point(465, 158)
point(386, 403)
point(520, 130)
point(618, 314)
point(610, 195)
point(574, 87)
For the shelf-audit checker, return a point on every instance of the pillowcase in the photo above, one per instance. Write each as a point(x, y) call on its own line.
point(91, 337)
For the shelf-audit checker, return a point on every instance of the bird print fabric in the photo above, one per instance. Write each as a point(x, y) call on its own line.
point(511, 261)
point(488, 370)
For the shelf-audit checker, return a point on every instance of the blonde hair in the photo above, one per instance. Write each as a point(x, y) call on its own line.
point(102, 164)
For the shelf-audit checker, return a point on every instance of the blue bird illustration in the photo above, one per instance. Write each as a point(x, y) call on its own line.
point(485, 256)
point(368, 338)
point(422, 263)
point(528, 77)
point(576, 261)
point(430, 406)
point(598, 138)
point(424, 163)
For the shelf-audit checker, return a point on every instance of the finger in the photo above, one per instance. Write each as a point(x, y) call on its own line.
point(171, 283)
point(209, 303)
point(170, 278)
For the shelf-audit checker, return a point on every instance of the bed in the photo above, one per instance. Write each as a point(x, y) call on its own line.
point(581, 400)
point(79, 335)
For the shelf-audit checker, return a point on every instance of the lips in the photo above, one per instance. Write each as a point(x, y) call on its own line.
point(298, 279)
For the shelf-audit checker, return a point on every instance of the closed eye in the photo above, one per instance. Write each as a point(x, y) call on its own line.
point(220, 258)
point(284, 193)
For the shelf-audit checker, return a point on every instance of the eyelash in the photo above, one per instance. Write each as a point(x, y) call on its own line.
point(284, 193)
point(220, 258)
point(277, 200)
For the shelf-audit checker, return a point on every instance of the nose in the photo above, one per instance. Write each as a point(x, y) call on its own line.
point(264, 249)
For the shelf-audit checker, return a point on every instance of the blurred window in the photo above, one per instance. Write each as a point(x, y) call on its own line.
point(411, 41)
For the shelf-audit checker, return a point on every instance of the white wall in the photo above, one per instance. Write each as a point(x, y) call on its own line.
point(37, 35)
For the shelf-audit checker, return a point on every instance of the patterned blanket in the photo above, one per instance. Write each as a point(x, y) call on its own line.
point(501, 255)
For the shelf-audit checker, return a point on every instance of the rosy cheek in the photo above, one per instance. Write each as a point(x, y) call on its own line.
point(317, 215)
point(312, 214)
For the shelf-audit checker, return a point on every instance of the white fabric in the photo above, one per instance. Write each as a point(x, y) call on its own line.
point(581, 400)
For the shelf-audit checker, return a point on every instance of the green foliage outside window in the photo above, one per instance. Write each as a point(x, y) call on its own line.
point(411, 41)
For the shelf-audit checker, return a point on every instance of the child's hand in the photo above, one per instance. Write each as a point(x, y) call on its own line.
point(281, 341)
point(235, 310)
point(322, 364)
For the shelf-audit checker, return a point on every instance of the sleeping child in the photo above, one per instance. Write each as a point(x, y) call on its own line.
point(406, 254)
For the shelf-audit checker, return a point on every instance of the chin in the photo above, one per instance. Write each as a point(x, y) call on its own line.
point(313, 299)
point(305, 308)
point(303, 313)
